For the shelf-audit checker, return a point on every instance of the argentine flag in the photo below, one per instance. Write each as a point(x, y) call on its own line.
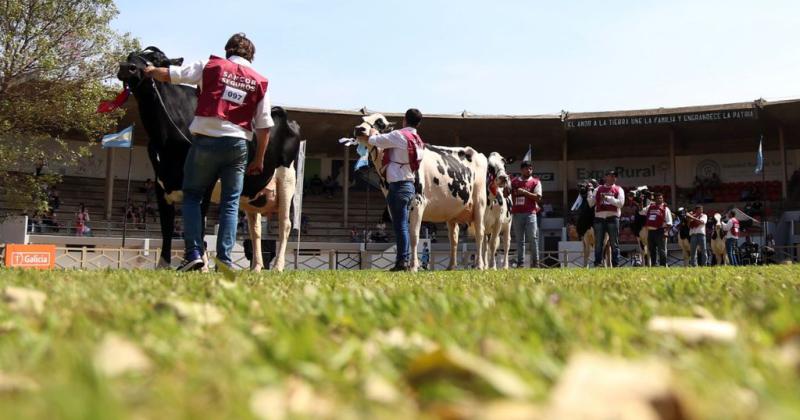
point(760, 156)
point(528, 155)
point(122, 139)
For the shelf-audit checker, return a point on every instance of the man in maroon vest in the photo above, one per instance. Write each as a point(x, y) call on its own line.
point(731, 226)
point(658, 222)
point(402, 154)
point(607, 200)
point(233, 102)
point(526, 191)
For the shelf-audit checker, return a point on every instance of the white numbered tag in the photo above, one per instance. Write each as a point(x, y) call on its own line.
point(519, 201)
point(231, 94)
point(653, 217)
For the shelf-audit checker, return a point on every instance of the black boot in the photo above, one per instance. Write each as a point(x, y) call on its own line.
point(399, 267)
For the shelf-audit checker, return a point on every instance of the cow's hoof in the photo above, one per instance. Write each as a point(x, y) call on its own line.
point(256, 269)
point(163, 264)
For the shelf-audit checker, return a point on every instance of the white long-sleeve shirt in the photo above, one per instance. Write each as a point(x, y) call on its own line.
point(396, 145)
point(192, 74)
point(700, 230)
point(728, 227)
point(617, 202)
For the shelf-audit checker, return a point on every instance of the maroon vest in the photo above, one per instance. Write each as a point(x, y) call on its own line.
point(413, 142)
point(231, 92)
point(599, 205)
point(655, 216)
point(692, 223)
point(524, 204)
point(735, 228)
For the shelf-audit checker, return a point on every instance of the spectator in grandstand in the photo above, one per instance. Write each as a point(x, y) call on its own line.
point(130, 212)
point(315, 185)
point(39, 167)
point(354, 235)
point(82, 220)
point(379, 235)
point(526, 193)
point(425, 257)
point(769, 249)
point(330, 186)
point(141, 214)
point(607, 200)
point(53, 198)
point(658, 224)
point(50, 222)
point(731, 227)
point(697, 235)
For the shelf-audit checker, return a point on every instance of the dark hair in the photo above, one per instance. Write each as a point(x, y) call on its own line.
point(525, 164)
point(413, 117)
point(240, 45)
point(658, 194)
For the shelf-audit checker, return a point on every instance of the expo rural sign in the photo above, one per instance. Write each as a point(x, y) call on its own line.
point(42, 257)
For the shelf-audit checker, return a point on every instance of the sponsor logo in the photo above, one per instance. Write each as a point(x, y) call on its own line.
point(31, 256)
point(706, 168)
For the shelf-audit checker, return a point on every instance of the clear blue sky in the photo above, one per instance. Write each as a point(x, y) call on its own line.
point(493, 57)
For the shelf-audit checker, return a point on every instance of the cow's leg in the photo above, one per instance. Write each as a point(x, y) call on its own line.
point(414, 223)
point(477, 220)
point(254, 228)
point(506, 231)
point(203, 212)
point(452, 230)
point(286, 181)
point(491, 244)
point(166, 218)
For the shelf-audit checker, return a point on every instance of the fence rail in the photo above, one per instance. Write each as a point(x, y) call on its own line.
point(89, 258)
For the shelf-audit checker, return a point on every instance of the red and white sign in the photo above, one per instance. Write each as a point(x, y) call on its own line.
point(42, 257)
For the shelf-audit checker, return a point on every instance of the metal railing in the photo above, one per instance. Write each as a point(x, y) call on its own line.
point(89, 258)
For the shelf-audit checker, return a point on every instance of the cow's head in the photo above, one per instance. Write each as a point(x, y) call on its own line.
point(376, 121)
point(497, 170)
point(586, 186)
point(131, 71)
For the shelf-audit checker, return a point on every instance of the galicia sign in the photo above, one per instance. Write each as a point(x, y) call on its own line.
point(42, 257)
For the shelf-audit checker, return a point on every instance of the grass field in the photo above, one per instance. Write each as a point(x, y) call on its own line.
point(369, 344)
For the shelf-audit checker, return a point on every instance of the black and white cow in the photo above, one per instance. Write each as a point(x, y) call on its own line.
point(585, 224)
point(497, 221)
point(169, 136)
point(642, 197)
point(450, 187)
point(166, 111)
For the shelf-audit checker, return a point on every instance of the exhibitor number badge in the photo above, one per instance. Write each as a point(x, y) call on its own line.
point(234, 95)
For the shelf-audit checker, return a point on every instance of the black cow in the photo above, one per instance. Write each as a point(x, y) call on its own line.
point(166, 111)
point(642, 197)
point(683, 235)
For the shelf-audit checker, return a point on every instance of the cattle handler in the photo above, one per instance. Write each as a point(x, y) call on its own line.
point(402, 154)
point(233, 101)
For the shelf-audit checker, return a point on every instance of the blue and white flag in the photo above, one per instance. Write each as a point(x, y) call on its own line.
point(122, 139)
point(363, 157)
point(760, 156)
point(528, 155)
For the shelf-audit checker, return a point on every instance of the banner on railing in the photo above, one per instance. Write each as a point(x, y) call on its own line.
point(42, 257)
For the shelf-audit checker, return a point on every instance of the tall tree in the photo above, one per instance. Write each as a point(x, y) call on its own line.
point(56, 62)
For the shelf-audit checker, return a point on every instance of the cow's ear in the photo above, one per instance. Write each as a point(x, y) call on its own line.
point(176, 61)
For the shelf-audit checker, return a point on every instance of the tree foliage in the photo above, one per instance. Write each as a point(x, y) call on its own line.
point(57, 59)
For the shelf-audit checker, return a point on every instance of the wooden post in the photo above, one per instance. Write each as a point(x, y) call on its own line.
point(565, 174)
point(673, 177)
point(109, 182)
point(346, 189)
point(784, 176)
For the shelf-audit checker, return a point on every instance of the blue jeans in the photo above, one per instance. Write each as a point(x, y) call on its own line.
point(657, 247)
point(602, 227)
point(730, 249)
point(209, 159)
point(526, 231)
point(399, 200)
point(698, 249)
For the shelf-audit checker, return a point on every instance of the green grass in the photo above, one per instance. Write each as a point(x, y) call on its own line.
point(321, 327)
